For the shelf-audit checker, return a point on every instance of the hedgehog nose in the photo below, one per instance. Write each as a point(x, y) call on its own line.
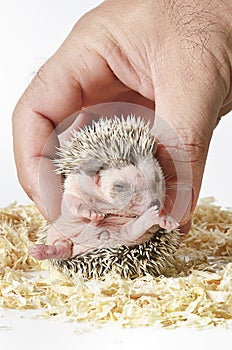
point(155, 203)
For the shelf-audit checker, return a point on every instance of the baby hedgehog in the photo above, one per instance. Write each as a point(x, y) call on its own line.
point(111, 216)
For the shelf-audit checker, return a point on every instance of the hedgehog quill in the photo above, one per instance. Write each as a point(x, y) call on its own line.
point(111, 208)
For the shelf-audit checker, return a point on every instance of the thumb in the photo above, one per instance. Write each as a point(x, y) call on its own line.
point(63, 86)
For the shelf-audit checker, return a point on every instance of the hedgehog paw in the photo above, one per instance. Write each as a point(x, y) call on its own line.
point(168, 223)
point(42, 251)
point(91, 215)
point(45, 251)
point(150, 217)
point(136, 228)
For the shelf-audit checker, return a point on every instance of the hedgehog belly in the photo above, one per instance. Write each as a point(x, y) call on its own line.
point(153, 257)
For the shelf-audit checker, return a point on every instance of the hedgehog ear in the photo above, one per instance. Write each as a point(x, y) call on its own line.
point(90, 167)
point(133, 159)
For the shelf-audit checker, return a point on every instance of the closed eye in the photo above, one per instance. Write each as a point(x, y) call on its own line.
point(120, 186)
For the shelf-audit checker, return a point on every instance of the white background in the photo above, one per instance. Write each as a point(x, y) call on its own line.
point(30, 32)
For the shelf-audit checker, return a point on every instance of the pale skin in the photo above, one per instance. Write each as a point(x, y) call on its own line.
point(174, 56)
point(111, 232)
point(113, 207)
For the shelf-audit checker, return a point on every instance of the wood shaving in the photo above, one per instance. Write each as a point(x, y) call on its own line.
point(198, 292)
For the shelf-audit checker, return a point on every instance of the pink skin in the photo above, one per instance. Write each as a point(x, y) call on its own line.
point(95, 215)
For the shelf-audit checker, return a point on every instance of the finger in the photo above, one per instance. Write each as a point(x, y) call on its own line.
point(33, 156)
point(186, 228)
point(190, 110)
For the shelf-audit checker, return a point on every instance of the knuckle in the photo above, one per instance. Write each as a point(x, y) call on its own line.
point(188, 145)
point(196, 149)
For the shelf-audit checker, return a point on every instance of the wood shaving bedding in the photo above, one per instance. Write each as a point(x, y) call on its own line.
point(198, 292)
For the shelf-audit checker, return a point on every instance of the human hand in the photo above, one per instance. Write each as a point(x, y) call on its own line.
point(172, 55)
